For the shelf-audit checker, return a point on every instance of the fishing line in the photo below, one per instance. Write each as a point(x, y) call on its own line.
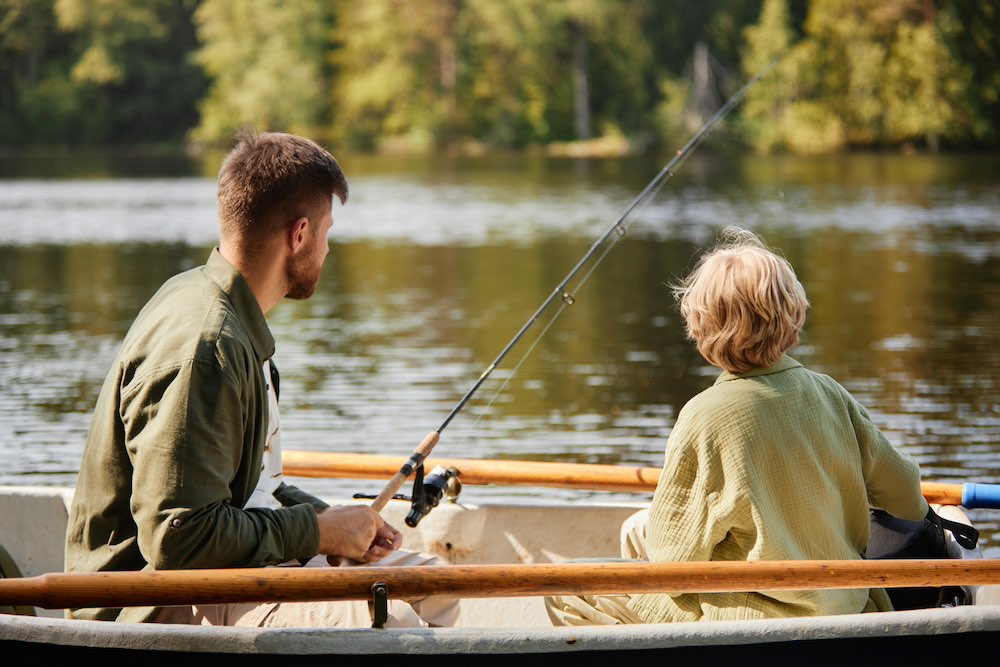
point(503, 385)
point(614, 233)
point(568, 298)
point(599, 250)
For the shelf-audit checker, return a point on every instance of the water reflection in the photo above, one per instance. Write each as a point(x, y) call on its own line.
point(435, 267)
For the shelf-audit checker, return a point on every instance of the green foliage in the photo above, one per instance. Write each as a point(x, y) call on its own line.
point(969, 29)
point(26, 28)
point(397, 71)
point(809, 128)
point(871, 74)
point(100, 71)
point(107, 29)
point(622, 64)
point(670, 115)
point(766, 107)
point(502, 73)
point(421, 74)
point(921, 87)
point(522, 50)
point(266, 61)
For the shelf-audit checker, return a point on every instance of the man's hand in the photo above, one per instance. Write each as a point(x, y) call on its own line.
point(357, 532)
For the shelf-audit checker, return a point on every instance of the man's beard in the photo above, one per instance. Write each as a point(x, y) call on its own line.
point(302, 277)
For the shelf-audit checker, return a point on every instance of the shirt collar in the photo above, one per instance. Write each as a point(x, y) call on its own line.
point(232, 282)
point(783, 364)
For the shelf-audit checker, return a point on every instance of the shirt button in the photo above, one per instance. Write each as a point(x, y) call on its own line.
point(175, 523)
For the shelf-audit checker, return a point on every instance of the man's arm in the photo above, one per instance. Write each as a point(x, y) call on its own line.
point(289, 496)
point(190, 445)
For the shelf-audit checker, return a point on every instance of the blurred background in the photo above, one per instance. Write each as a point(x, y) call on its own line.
point(479, 74)
point(487, 145)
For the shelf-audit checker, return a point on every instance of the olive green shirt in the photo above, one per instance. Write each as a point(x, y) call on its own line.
point(176, 443)
point(775, 464)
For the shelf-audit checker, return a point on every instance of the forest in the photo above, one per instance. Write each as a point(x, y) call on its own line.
point(590, 76)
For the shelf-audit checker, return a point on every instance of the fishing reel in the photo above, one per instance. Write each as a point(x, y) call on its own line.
point(428, 491)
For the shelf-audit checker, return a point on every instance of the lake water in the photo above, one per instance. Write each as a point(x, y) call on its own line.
point(436, 264)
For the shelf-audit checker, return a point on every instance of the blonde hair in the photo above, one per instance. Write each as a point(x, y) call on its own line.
point(742, 305)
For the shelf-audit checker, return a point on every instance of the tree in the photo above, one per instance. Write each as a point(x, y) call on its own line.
point(620, 65)
point(26, 29)
point(106, 71)
point(105, 29)
point(766, 106)
point(427, 73)
point(511, 73)
point(877, 73)
point(518, 93)
point(923, 85)
point(398, 65)
point(130, 75)
point(969, 29)
point(268, 64)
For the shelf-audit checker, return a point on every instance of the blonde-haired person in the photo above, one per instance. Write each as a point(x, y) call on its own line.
point(772, 462)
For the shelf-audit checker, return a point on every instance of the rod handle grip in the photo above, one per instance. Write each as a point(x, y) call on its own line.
point(417, 458)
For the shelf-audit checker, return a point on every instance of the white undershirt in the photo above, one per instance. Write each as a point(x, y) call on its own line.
point(270, 472)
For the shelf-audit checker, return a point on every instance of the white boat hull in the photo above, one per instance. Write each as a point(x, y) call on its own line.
point(32, 523)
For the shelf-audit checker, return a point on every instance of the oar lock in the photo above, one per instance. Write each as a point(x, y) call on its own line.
point(428, 491)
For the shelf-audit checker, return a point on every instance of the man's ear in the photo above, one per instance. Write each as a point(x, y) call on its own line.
point(299, 234)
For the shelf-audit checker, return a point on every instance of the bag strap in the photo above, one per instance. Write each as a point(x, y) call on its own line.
point(966, 536)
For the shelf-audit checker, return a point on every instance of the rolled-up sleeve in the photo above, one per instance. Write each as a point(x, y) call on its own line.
point(186, 434)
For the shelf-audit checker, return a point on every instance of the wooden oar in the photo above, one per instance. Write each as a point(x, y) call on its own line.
point(564, 475)
point(123, 589)
point(474, 471)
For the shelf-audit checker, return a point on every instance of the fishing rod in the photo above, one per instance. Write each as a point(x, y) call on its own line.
point(598, 250)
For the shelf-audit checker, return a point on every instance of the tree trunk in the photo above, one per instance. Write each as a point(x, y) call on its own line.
point(581, 87)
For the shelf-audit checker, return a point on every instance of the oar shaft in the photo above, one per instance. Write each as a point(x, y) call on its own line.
point(116, 589)
point(942, 494)
point(563, 475)
point(473, 471)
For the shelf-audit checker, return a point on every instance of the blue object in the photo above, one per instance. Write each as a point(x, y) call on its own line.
point(980, 496)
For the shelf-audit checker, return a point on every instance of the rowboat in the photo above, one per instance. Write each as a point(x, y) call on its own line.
point(502, 558)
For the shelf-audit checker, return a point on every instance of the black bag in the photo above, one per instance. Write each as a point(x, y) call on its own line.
point(892, 537)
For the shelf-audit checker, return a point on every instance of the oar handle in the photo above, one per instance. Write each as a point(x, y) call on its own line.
point(416, 459)
point(980, 496)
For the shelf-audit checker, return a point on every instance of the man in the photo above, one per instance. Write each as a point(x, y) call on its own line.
point(176, 471)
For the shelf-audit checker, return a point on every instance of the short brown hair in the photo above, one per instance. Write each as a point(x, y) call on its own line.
point(743, 305)
point(271, 179)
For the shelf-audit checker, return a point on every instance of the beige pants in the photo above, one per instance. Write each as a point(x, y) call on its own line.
point(433, 611)
point(604, 609)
